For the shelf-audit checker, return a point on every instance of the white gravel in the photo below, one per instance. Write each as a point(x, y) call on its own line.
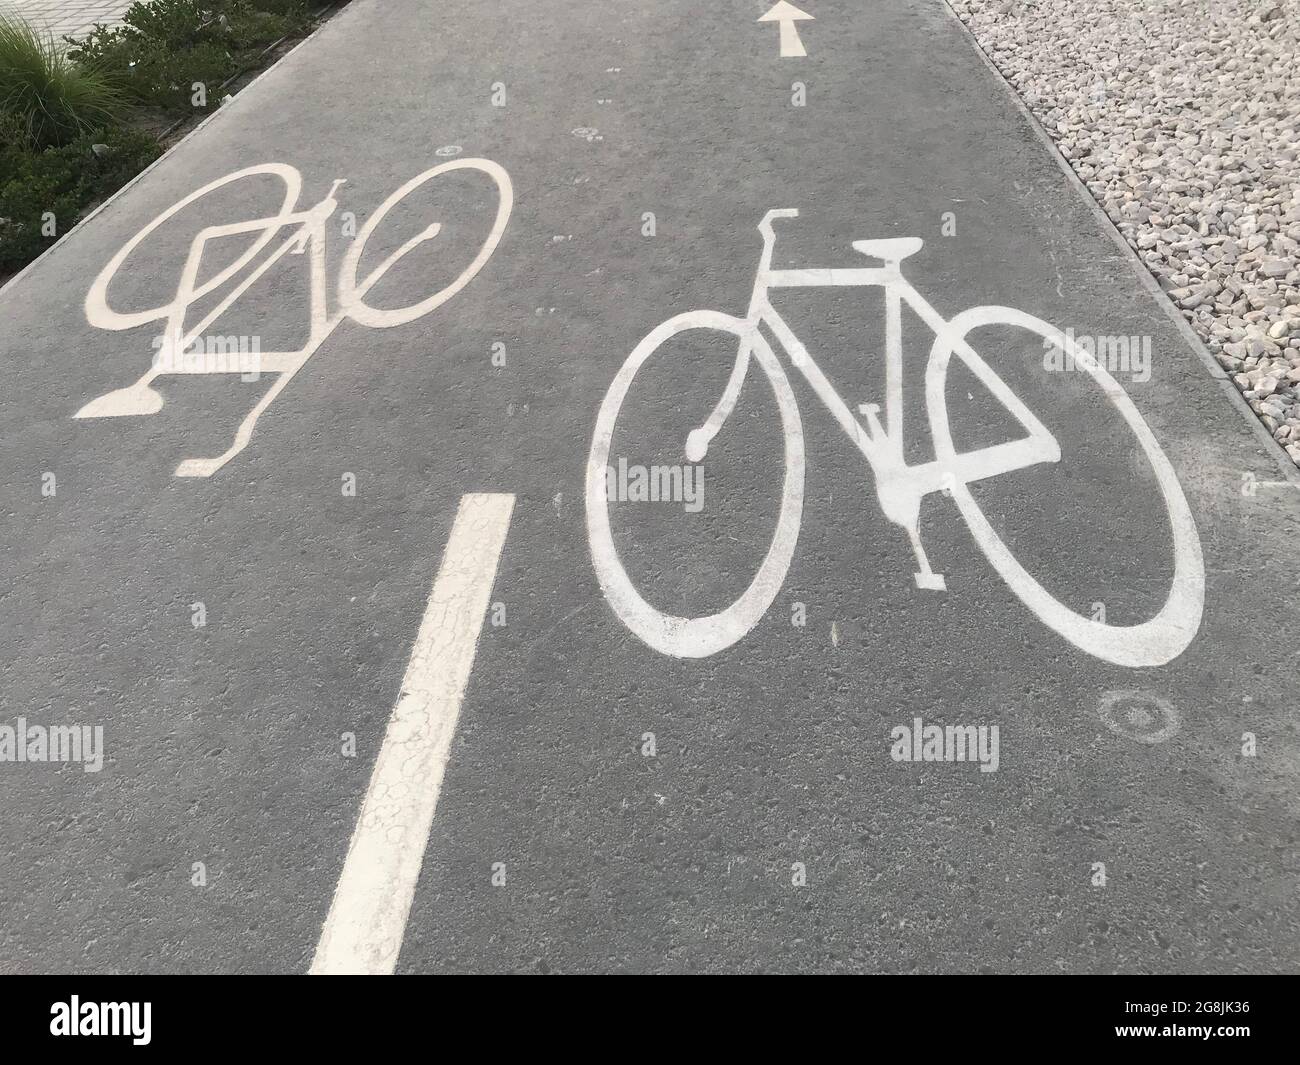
point(1183, 118)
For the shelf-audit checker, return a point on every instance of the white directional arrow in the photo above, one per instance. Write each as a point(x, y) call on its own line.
point(787, 15)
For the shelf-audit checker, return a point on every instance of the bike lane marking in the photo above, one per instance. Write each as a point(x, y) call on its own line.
point(900, 487)
point(176, 353)
point(363, 931)
point(788, 17)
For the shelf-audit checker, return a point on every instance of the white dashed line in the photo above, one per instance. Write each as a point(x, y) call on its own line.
point(364, 929)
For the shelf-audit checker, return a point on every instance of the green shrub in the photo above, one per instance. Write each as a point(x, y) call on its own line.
point(51, 97)
point(64, 181)
point(65, 139)
point(164, 47)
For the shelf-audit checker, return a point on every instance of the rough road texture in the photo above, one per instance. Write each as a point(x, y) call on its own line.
point(224, 743)
point(1183, 118)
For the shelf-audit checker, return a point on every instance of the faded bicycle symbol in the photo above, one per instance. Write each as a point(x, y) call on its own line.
point(900, 486)
point(307, 233)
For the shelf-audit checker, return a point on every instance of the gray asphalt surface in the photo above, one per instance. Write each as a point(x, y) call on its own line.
point(223, 741)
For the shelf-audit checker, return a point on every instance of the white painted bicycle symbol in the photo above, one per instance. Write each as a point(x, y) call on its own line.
point(308, 231)
point(899, 487)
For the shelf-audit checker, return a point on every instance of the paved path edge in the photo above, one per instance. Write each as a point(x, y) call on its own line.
point(1280, 458)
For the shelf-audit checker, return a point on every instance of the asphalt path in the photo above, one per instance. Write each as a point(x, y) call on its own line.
point(770, 829)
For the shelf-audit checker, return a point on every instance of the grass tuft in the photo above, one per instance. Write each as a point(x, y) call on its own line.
point(52, 98)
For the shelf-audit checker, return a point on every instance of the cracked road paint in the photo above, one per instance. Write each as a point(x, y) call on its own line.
point(363, 932)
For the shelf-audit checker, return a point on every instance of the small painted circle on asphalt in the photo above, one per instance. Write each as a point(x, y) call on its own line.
point(449, 149)
point(1139, 715)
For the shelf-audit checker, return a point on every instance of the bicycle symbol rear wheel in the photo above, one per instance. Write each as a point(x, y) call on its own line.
point(1150, 643)
point(100, 314)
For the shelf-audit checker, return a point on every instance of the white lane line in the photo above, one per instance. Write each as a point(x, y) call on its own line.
point(364, 929)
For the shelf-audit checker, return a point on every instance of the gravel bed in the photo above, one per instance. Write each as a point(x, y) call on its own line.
point(1183, 119)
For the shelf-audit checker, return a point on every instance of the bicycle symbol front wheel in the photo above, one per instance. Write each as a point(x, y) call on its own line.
point(699, 636)
point(352, 293)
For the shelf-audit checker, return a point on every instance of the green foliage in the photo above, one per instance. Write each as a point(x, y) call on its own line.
point(51, 97)
point(164, 47)
point(67, 141)
point(64, 181)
